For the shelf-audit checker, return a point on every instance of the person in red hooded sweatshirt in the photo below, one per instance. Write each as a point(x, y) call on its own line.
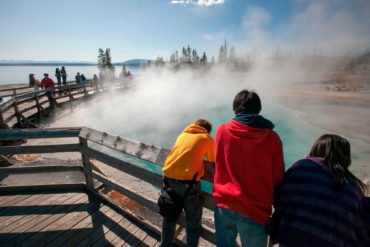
point(48, 84)
point(249, 166)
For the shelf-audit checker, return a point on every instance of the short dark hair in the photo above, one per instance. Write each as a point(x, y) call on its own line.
point(205, 124)
point(247, 101)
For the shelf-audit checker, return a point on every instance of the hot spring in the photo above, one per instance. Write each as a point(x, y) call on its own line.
point(160, 104)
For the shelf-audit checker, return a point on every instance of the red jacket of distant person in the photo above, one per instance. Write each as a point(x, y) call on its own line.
point(249, 165)
point(47, 82)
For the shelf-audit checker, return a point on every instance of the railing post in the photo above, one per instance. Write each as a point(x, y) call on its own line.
point(2, 123)
point(16, 113)
point(14, 92)
point(87, 166)
point(38, 105)
point(70, 93)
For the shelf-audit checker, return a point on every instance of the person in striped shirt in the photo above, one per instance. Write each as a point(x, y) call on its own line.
point(320, 202)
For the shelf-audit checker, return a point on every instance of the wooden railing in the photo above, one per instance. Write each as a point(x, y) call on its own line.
point(88, 143)
point(21, 108)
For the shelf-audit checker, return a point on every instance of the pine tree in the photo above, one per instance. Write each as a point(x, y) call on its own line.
point(188, 52)
point(108, 59)
point(195, 56)
point(101, 59)
point(203, 60)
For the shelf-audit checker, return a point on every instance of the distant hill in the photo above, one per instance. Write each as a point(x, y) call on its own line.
point(44, 63)
point(134, 62)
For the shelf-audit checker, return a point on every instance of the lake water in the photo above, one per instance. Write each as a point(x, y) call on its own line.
point(19, 74)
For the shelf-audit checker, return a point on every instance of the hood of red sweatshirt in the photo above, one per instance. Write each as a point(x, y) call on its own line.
point(246, 132)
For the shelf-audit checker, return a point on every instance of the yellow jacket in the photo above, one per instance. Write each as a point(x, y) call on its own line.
point(187, 155)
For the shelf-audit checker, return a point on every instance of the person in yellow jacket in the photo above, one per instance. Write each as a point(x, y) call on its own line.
point(182, 172)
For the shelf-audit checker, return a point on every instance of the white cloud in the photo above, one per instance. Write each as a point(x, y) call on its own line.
point(198, 2)
point(209, 2)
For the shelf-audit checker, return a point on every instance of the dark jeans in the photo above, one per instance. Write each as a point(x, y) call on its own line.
point(193, 203)
point(49, 94)
point(64, 80)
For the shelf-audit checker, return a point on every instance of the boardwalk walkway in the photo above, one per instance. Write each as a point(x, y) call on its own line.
point(67, 219)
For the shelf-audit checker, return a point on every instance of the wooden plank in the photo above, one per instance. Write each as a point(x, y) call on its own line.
point(137, 149)
point(13, 199)
point(6, 150)
point(37, 169)
point(70, 186)
point(39, 133)
point(148, 241)
point(113, 219)
point(29, 214)
point(136, 238)
point(66, 222)
point(113, 233)
point(44, 220)
point(130, 230)
point(96, 221)
point(29, 94)
point(76, 230)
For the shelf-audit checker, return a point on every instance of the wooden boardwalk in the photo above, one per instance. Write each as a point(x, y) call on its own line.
point(67, 219)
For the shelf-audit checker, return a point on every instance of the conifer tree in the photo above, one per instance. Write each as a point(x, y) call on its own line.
point(203, 60)
point(108, 59)
point(101, 59)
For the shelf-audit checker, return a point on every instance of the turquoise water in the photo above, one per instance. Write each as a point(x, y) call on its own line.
point(296, 135)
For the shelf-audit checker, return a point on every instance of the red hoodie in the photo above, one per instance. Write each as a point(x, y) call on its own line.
point(249, 165)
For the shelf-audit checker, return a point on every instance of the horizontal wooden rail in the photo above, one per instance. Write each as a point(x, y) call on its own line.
point(123, 166)
point(37, 169)
point(138, 172)
point(137, 149)
point(38, 133)
point(39, 149)
point(69, 186)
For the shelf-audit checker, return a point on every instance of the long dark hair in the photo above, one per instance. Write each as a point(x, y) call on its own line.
point(336, 152)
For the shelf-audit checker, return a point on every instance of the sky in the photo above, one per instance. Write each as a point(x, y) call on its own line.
point(74, 30)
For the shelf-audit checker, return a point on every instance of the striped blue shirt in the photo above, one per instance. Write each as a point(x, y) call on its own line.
point(310, 210)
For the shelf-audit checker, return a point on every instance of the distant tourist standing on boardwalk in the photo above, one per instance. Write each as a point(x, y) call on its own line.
point(78, 78)
point(320, 202)
point(249, 166)
point(64, 75)
point(58, 75)
point(48, 84)
point(34, 82)
point(182, 172)
point(82, 79)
